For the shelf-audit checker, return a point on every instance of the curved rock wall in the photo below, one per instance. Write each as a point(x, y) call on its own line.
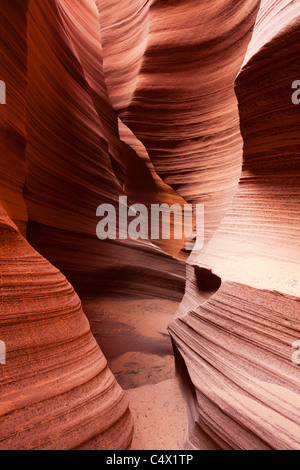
point(163, 102)
point(61, 156)
point(182, 106)
point(238, 344)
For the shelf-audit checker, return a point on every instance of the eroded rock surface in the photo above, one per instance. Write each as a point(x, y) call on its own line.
point(162, 102)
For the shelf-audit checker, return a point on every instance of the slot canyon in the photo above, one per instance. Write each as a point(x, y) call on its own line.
point(140, 344)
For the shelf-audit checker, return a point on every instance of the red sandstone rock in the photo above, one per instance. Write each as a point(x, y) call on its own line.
point(56, 389)
point(238, 344)
point(164, 102)
point(61, 147)
point(178, 98)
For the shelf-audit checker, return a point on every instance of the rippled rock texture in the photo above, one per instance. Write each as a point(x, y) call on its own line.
point(161, 101)
point(237, 345)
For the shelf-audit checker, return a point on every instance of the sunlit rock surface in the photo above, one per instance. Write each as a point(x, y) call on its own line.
point(163, 102)
point(238, 344)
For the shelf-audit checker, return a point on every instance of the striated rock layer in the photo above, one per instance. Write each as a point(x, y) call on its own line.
point(62, 156)
point(56, 390)
point(162, 102)
point(237, 345)
point(177, 93)
point(13, 59)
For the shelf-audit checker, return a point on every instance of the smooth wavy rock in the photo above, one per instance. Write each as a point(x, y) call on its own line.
point(161, 101)
point(13, 56)
point(56, 389)
point(237, 343)
point(178, 96)
point(72, 168)
point(62, 156)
